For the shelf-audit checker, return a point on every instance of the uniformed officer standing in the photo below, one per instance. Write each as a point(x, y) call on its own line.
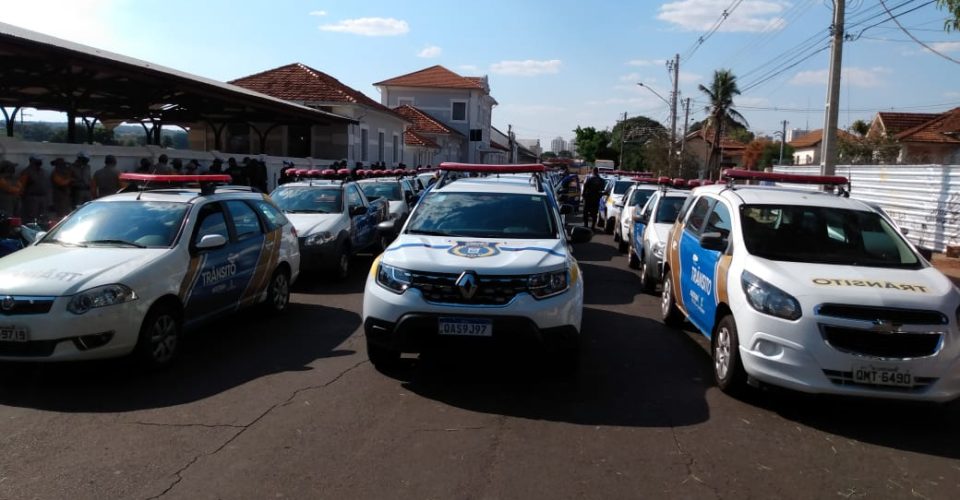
point(62, 181)
point(82, 186)
point(107, 180)
point(34, 190)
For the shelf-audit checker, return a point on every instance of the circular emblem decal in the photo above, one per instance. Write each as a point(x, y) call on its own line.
point(7, 303)
point(474, 249)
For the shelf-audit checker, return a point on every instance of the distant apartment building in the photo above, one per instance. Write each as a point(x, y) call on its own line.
point(795, 133)
point(558, 144)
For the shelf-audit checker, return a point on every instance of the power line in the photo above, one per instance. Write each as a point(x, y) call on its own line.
point(788, 109)
point(894, 19)
point(713, 29)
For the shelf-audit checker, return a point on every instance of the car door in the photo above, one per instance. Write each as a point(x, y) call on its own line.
point(247, 246)
point(362, 228)
point(696, 277)
point(206, 289)
point(639, 227)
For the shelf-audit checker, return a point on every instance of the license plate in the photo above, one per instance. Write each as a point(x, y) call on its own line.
point(466, 327)
point(879, 375)
point(13, 334)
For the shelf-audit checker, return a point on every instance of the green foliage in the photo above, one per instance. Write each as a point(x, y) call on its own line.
point(633, 136)
point(720, 111)
point(860, 128)
point(565, 154)
point(548, 155)
point(592, 143)
point(741, 134)
point(867, 150)
point(952, 22)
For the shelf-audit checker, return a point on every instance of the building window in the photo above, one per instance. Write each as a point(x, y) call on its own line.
point(476, 135)
point(380, 146)
point(405, 101)
point(364, 139)
point(396, 149)
point(458, 111)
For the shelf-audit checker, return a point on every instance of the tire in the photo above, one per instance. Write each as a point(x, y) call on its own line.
point(632, 260)
point(341, 266)
point(647, 283)
point(382, 357)
point(725, 349)
point(159, 339)
point(616, 237)
point(278, 293)
point(623, 245)
point(669, 312)
point(608, 226)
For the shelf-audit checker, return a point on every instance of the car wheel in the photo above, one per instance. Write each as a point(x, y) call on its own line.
point(278, 295)
point(608, 226)
point(341, 265)
point(616, 235)
point(727, 366)
point(623, 245)
point(647, 283)
point(632, 260)
point(669, 312)
point(382, 357)
point(159, 339)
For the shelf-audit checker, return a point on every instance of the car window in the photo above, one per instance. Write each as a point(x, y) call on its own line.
point(639, 197)
point(245, 220)
point(669, 209)
point(353, 197)
point(122, 223)
point(388, 190)
point(210, 221)
point(648, 208)
point(273, 215)
point(719, 220)
point(484, 215)
point(698, 214)
point(308, 199)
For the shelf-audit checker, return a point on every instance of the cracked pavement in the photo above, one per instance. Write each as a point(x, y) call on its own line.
point(290, 407)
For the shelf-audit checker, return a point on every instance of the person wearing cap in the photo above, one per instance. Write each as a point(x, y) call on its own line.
point(236, 173)
point(34, 190)
point(107, 180)
point(257, 174)
point(81, 189)
point(62, 180)
point(9, 188)
point(162, 167)
point(177, 165)
point(192, 167)
point(144, 167)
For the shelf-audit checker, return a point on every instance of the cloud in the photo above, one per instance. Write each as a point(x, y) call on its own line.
point(530, 109)
point(646, 62)
point(952, 95)
point(526, 68)
point(752, 101)
point(470, 68)
point(853, 76)
point(632, 77)
point(430, 51)
point(369, 26)
point(945, 46)
point(689, 77)
point(318, 13)
point(82, 21)
point(701, 15)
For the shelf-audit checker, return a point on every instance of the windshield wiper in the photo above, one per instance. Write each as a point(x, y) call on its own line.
point(307, 211)
point(429, 233)
point(62, 242)
point(116, 242)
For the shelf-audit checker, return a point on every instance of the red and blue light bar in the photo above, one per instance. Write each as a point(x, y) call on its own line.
point(175, 179)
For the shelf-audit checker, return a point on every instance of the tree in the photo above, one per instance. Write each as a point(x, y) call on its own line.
point(952, 22)
point(860, 127)
point(548, 155)
point(753, 152)
point(631, 135)
point(565, 154)
point(592, 143)
point(741, 134)
point(720, 94)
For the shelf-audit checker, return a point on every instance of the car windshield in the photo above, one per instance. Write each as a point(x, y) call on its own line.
point(639, 197)
point(307, 200)
point(824, 235)
point(621, 187)
point(388, 190)
point(484, 215)
point(138, 224)
point(669, 209)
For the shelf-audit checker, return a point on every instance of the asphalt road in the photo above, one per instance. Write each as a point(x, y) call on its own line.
point(290, 408)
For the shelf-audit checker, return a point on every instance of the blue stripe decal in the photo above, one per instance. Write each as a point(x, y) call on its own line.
point(538, 249)
point(419, 245)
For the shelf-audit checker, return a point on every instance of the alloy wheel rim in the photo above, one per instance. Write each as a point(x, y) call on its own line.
point(721, 353)
point(163, 338)
point(281, 290)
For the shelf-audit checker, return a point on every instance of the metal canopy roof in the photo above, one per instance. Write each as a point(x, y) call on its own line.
point(43, 72)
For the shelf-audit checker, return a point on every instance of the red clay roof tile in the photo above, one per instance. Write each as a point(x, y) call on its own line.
point(943, 128)
point(894, 123)
point(412, 138)
point(436, 77)
point(422, 122)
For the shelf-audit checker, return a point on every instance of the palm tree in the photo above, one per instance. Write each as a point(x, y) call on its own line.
point(720, 112)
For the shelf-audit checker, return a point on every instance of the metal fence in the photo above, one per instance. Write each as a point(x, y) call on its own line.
point(922, 199)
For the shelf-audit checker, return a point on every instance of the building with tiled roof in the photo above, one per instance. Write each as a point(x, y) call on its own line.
point(448, 144)
point(935, 141)
point(807, 147)
point(699, 143)
point(889, 123)
point(461, 103)
point(379, 135)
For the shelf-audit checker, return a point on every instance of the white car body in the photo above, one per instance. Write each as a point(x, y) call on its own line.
point(877, 331)
point(38, 282)
point(630, 209)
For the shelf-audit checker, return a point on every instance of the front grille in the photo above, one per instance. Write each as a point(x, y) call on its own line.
point(846, 378)
point(441, 288)
point(881, 345)
point(27, 305)
point(890, 314)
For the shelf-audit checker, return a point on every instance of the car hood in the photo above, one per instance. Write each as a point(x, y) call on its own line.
point(493, 256)
point(309, 224)
point(52, 270)
point(904, 288)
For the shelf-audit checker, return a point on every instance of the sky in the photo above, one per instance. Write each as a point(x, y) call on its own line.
point(553, 65)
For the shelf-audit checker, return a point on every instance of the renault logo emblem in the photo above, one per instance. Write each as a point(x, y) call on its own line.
point(7, 303)
point(467, 283)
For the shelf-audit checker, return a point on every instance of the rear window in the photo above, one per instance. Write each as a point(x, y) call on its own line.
point(639, 197)
point(621, 187)
point(484, 215)
point(387, 190)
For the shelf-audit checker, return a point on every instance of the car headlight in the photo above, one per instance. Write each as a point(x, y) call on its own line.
point(658, 250)
point(549, 284)
point(393, 278)
point(320, 238)
point(769, 299)
point(101, 296)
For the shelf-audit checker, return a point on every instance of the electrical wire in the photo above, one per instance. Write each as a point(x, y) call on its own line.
point(713, 29)
point(931, 49)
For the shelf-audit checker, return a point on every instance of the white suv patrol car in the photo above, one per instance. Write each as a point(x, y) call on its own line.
point(811, 291)
point(126, 273)
point(478, 257)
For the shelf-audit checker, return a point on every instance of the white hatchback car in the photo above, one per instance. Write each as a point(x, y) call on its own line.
point(482, 258)
point(811, 291)
point(127, 273)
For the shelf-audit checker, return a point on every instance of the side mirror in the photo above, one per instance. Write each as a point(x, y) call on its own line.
point(641, 218)
point(713, 241)
point(580, 234)
point(209, 241)
point(387, 226)
point(358, 210)
point(566, 209)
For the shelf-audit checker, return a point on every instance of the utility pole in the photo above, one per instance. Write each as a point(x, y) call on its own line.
point(686, 125)
point(674, 66)
point(828, 153)
point(623, 137)
point(783, 139)
point(510, 141)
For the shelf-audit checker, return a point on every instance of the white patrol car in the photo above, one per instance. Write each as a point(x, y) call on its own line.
point(609, 213)
point(128, 272)
point(479, 257)
point(633, 202)
point(399, 193)
point(811, 291)
point(651, 228)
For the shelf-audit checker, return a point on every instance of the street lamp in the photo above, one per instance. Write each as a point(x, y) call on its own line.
point(673, 129)
point(655, 93)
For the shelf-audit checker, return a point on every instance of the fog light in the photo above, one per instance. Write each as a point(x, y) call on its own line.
point(768, 349)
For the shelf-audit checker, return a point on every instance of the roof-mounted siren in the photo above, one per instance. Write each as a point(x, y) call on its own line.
point(679, 183)
point(207, 183)
point(398, 172)
point(838, 182)
point(706, 182)
point(694, 183)
point(343, 173)
point(536, 169)
point(643, 175)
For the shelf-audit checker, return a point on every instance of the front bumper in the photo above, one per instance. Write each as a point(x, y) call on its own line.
point(317, 257)
point(59, 335)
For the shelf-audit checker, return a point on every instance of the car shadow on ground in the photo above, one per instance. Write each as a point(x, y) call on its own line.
point(633, 372)
point(214, 358)
point(324, 282)
point(601, 278)
point(594, 251)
